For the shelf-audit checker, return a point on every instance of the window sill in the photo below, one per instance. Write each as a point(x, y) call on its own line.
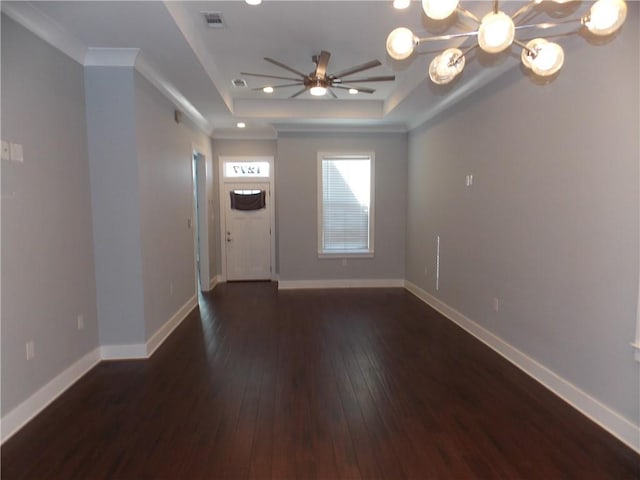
point(338, 255)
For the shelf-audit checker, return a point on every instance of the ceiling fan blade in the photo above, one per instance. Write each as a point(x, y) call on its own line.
point(280, 86)
point(323, 61)
point(356, 69)
point(332, 93)
point(300, 92)
point(267, 76)
point(386, 78)
point(282, 65)
point(360, 89)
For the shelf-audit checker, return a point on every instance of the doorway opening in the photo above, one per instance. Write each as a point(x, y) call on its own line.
point(200, 224)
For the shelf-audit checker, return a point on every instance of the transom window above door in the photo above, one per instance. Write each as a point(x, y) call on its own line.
point(246, 169)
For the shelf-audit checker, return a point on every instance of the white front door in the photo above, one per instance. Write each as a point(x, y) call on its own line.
point(248, 231)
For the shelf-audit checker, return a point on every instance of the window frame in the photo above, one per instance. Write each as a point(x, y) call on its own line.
point(370, 252)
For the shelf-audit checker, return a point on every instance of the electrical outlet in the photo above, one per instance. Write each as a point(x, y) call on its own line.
point(496, 304)
point(426, 271)
point(16, 152)
point(31, 349)
point(80, 322)
point(469, 180)
point(170, 288)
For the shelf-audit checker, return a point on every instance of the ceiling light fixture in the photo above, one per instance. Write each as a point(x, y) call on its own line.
point(241, 124)
point(318, 89)
point(321, 82)
point(496, 32)
point(353, 91)
point(253, 2)
point(267, 89)
point(401, 4)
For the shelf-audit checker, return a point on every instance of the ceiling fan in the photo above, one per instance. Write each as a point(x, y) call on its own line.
point(320, 81)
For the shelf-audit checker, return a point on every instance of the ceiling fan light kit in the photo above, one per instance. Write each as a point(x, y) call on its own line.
point(319, 82)
point(496, 32)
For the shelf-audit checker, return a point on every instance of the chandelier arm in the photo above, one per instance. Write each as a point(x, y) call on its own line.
point(547, 25)
point(525, 8)
point(446, 37)
point(495, 6)
point(523, 45)
point(468, 14)
point(462, 55)
point(544, 26)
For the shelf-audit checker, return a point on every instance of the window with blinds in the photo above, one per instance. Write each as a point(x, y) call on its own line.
point(345, 207)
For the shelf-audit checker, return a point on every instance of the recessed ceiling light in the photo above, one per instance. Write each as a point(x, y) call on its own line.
point(241, 124)
point(253, 2)
point(267, 89)
point(353, 91)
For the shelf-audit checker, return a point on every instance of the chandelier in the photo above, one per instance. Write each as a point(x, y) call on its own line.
point(496, 32)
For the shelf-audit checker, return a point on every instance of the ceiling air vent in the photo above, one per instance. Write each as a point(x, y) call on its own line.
point(213, 19)
point(239, 83)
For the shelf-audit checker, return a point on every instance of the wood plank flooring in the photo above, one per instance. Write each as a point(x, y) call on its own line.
point(334, 384)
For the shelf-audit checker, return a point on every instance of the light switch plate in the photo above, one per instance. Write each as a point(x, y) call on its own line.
point(6, 154)
point(16, 152)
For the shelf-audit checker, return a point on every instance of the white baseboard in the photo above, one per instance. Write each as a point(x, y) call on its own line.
point(23, 413)
point(215, 281)
point(340, 283)
point(601, 414)
point(134, 351)
point(138, 351)
point(165, 330)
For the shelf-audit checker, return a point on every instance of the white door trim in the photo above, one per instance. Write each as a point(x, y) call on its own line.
point(202, 220)
point(222, 180)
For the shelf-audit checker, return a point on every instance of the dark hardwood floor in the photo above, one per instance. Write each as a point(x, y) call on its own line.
point(313, 385)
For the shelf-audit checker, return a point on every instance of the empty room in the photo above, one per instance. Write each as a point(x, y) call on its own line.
point(319, 239)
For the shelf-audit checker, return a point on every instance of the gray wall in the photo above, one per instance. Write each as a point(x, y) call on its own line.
point(142, 190)
point(231, 148)
point(550, 225)
point(296, 204)
point(164, 150)
point(111, 129)
point(47, 247)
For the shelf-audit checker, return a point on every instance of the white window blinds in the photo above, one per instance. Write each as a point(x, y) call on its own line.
point(345, 207)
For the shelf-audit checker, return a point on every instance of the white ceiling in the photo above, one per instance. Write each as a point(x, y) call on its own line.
point(195, 64)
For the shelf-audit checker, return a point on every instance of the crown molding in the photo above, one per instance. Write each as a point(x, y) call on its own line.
point(480, 79)
point(338, 128)
point(186, 23)
point(244, 134)
point(321, 108)
point(153, 75)
point(43, 26)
